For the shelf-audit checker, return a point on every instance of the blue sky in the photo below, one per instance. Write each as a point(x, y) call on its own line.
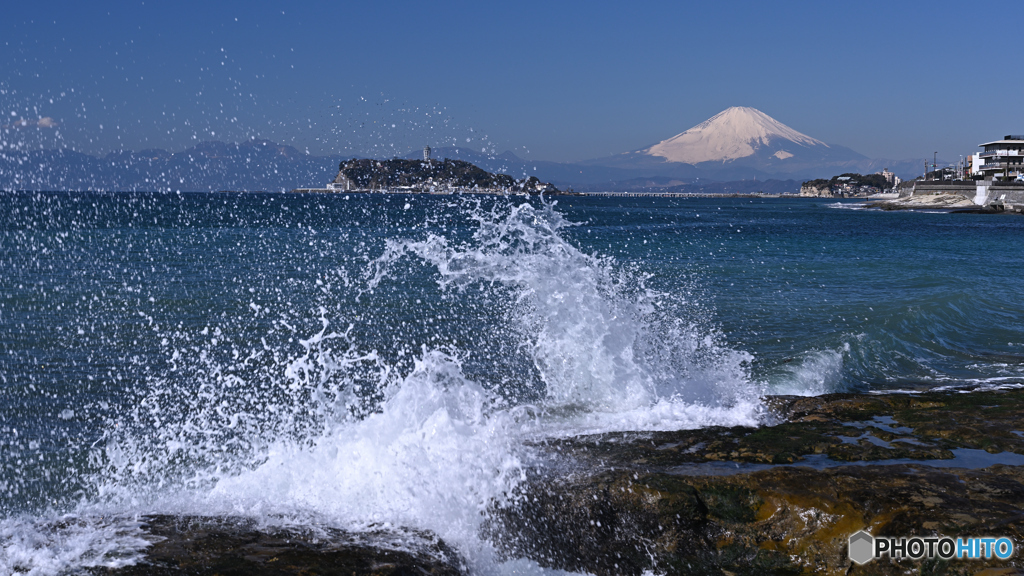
point(549, 80)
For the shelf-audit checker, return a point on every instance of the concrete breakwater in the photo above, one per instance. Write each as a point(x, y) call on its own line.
point(979, 196)
point(1009, 196)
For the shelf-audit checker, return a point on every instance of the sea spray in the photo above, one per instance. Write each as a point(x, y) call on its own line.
point(594, 333)
point(598, 337)
point(438, 451)
point(45, 546)
point(362, 425)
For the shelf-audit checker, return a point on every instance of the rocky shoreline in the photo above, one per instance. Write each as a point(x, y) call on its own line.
point(945, 201)
point(208, 546)
point(983, 197)
point(782, 499)
point(778, 499)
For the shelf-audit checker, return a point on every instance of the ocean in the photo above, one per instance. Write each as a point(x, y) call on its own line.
point(389, 362)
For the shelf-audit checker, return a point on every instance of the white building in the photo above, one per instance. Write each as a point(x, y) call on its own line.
point(891, 178)
point(999, 160)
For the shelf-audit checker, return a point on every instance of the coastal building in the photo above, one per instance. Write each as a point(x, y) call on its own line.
point(1000, 159)
point(890, 177)
point(341, 183)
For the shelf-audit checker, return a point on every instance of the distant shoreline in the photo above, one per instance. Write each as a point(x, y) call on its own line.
point(479, 192)
point(950, 202)
point(493, 192)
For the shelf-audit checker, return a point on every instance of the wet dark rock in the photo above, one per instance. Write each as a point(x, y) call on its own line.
point(779, 499)
point(660, 502)
point(844, 427)
point(235, 546)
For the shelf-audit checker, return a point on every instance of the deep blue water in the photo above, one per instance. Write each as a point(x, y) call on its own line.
point(154, 340)
point(903, 300)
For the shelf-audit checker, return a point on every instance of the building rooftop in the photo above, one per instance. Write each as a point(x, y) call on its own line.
point(1008, 139)
point(1021, 141)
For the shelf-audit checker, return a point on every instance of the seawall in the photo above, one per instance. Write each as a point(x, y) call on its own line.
point(999, 195)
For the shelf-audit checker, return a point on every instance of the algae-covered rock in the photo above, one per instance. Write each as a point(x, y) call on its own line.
point(844, 427)
point(783, 520)
point(780, 499)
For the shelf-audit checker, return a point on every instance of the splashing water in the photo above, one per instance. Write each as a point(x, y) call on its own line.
point(349, 434)
point(597, 336)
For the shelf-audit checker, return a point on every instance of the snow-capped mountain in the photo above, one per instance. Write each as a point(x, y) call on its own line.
point(739, 142)
point(734, 133)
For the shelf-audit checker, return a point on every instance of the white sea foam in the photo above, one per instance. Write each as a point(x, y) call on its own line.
point(43, 546)
point(847, 206)
point(434, 457)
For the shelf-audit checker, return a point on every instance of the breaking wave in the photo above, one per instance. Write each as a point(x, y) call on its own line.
point(368, 433)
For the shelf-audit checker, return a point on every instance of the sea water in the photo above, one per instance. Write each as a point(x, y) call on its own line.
point(374, 361)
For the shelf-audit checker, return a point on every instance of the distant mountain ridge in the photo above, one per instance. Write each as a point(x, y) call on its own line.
point(207, 166)
point(736, 145)
point(739, 143)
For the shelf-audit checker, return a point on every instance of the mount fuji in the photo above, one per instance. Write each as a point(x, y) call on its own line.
point(735, 133)
point(739, 142)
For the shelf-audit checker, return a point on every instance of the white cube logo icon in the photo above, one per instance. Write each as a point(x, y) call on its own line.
point(861, 547)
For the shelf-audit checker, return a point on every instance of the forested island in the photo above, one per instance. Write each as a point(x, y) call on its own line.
point(429, 176)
